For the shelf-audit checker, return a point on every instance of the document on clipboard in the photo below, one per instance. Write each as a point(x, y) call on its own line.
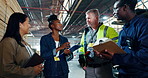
point(73, 48)
point(34, 60)
point(110, 46)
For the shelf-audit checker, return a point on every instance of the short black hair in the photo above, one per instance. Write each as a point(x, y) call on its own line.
point(130, 3)
point(52, 18)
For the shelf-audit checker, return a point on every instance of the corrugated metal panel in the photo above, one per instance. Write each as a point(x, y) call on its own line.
point(7, 7)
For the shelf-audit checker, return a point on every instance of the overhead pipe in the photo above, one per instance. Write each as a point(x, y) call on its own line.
point(51, 9)
point(60, 14)
point(143, 4)
point(81, 13)
point(29, 13)
point(40, 2)
point(104, 12)
point(100, 14)
point(72, 7)
point(71, 15)
point(84, 10)
point(62, 6)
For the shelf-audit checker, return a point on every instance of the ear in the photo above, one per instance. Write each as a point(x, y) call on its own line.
point(125, 7)
point(52, 26)
point(97, 17)
point(20, 24)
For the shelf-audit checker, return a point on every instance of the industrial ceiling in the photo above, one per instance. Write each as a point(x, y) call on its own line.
point(73, 21)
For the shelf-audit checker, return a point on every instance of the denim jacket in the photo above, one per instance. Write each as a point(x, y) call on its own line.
point(135, 61)
point(51, 67)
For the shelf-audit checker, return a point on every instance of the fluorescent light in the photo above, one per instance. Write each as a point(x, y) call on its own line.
point(105, 17)
point(73, 36)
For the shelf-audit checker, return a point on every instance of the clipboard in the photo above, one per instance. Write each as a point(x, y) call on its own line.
point(110, 46)
point(34, 60)
point(73, 48)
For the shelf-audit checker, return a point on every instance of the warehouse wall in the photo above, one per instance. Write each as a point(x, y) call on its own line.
point(7, 7)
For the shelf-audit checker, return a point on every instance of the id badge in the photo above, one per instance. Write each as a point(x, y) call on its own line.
point(90, 44)
point(56, 58)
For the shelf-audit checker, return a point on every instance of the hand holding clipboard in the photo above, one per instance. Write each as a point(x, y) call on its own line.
point(34, 60)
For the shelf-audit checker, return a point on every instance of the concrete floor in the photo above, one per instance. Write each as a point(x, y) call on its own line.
point(75, 70)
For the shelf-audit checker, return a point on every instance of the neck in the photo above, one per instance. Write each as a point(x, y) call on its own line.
point(55, 35)
point(21, 34)
point(95, 26)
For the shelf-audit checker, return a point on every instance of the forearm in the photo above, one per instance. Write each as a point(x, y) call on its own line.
point(15, 71)
point(58, 49)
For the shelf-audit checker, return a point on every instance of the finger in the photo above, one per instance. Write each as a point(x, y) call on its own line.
point(67, 43)
point(101, 55)
point(106, 50)
point(107, 56)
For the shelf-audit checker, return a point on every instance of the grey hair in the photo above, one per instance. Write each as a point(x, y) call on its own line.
point(95, 11)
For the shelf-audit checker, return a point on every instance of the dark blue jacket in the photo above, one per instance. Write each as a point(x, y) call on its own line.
point(135, 62)
point(51, 67)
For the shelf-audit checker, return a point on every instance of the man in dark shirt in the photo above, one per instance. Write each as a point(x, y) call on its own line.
point(133, 39)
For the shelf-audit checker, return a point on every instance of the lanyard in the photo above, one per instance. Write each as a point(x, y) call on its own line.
point(86, 30)
point(92, 37)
